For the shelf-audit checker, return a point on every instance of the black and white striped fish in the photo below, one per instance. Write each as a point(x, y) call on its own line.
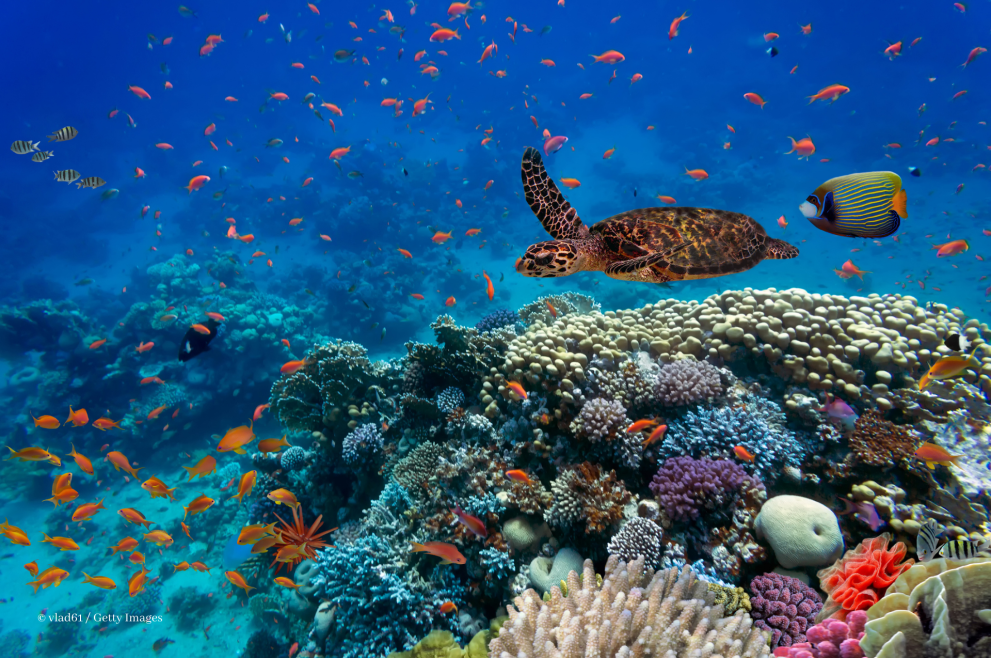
point(91, 181)
point(23, 147)
point(963, 549)
point(41, 156)
point(957, 343)
point(63, 135)
point(67, 176)
point(928, 540)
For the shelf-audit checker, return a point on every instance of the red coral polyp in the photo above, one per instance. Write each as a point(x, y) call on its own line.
point(860, 578)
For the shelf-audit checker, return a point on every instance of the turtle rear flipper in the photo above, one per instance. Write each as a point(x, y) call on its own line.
point(546, 201)
point(779, 250)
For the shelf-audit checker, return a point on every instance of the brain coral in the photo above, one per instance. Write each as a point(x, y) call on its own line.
point(860, 578)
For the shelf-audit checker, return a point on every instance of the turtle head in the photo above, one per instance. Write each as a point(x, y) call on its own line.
point(550, 259)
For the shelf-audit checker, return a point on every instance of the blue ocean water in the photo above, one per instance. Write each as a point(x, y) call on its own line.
point(111, 270)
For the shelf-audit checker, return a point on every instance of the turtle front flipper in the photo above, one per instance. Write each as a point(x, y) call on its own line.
point(546, 201)
point(651, 268)
point(779, 250)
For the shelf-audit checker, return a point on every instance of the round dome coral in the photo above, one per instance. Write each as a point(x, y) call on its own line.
point(802, 532)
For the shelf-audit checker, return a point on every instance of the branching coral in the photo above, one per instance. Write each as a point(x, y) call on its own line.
point(413, 471)
point(783, 605)
point(878, 442)
point(685, 487)
point(633, 612)
point(363, 444)
point(584, 494)
point(496, 319)
point(860, 578)
point(600, 420)
point(640, 537)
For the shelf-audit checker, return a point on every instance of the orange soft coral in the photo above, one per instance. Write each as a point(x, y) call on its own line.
point(298, 534)
point(858, 579)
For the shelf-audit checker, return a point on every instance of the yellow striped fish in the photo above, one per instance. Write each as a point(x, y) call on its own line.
point(868, 205)
point(63, 134)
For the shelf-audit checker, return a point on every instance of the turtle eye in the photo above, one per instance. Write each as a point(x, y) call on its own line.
point(544, 258)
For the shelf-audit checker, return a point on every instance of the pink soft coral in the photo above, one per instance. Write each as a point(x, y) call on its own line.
point(860, 577)
point(830, 639)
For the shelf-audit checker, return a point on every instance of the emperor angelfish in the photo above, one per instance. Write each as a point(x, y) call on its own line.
point(867, 205)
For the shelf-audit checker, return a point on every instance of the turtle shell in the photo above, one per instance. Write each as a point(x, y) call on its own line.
point(695, 243)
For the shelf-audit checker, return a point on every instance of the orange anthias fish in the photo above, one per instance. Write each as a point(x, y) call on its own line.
point(47, 422)
point(291, 367)
point(742, 453)
point(238, 581)
point(273, 445)
point(100, 581)
point(77, 418)
point(30, 454)
point(158, 489)
point(675, 24)
point(132, 515)
point(804, 147)
point(252, 533)
point(489, 288)
point(519, 476)
point(237, 438)
point(448, 553)
point(830, 93)
point(655, 436)
point(517, 388)
point(245, 486)
point(203, 467)
point(158, 537)
point(48, 577)
point(104, 424)
point(474, 524)
point(121, 462)
point(640, 425)
point(283, 497)
point(755, 99)
point(125, 544)
point(697, 174)
point(86, 511)
point(933, 454)
point(198, 505)
point(450, 301)
point(951, 248)
point(441, 238)
point(949, 367)
point(64, 543)
point(851, 269)
point(285, 582)
point(16, 536)
point(136, 583)
point(448, 606)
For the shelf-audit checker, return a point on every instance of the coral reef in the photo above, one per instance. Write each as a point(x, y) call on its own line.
point(583, 495)
point(862, 576)
point(632, 606)
point(878, 442)
point(783, 605)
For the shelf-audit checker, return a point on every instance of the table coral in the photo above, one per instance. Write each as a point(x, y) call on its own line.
point(860, 578)
point(783, 605)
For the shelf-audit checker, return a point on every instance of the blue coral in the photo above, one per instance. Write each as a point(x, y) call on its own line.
point(481, 505)
point(496, 319)
point(382, 604)
point(757, 424)
point(497, 563)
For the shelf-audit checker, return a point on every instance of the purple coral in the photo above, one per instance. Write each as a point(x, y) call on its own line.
point(601, 420)
point(684, 486)
point(783, 605)
point(364, 443)
point(830, 639)
point(687, 381)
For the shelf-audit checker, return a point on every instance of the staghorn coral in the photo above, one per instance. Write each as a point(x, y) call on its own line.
point(639, 537)
point(783, 605)
point(582, 494)
point(687, 381)
point(600, 420)
point(684, 486)
point(881, 443)
point(860, 578)
point(633, 612)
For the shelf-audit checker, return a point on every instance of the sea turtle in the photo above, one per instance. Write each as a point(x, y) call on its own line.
point(653, 245)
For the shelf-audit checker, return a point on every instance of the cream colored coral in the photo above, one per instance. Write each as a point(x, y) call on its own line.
point(633, 613)
point(944, 615)
point(808, 338)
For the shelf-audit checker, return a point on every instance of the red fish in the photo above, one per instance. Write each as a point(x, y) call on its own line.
point(448, 553)
point(474, 524)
